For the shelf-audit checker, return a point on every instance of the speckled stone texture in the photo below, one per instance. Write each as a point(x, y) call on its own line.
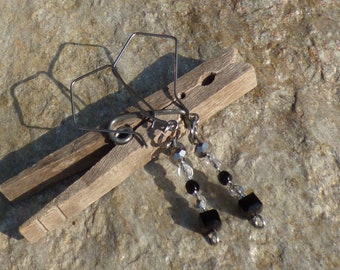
point(281, 140)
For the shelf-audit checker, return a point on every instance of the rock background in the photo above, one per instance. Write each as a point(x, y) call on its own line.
point(282, 139)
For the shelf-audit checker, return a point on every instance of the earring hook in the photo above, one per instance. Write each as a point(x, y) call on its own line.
point(124, 134)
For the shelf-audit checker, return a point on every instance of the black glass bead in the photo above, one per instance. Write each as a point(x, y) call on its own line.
point(224, 177)
point(192, 186)
point(209, 221)
point(250, 205)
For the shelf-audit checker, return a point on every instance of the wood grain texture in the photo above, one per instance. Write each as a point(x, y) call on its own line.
point(232, 79)
point(67, 161)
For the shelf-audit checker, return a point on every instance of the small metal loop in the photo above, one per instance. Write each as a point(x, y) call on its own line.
point(122, 135)
point(195, 118)
point(193, 126)
point(213, 238)
point(258, 222)
point(165, 141)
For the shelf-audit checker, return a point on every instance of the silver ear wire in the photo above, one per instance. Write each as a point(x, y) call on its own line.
point(124, 134)
point(129, 132)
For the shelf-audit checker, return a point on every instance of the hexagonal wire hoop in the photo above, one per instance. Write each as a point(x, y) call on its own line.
point(142, 113)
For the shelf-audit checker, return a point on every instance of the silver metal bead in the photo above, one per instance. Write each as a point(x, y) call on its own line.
point(201, 149)
point(178, 154)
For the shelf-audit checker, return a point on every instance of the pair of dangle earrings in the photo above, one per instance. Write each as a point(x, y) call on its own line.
point(209, 218)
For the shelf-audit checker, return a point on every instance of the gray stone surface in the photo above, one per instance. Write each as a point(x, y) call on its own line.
point(281, 140)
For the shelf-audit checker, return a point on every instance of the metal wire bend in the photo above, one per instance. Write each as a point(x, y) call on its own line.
point(124, 134)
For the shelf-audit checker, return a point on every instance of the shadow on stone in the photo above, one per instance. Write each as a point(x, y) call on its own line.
point(147, 82)
point(180, 211)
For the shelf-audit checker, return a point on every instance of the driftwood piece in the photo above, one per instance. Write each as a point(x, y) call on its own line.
point(207, 89)
point(67, 161)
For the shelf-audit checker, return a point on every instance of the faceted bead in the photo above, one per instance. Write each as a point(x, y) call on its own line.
point(215, 162)
point(201, 149)
point(192, 186)
point(237, 192)
point(225, 177)
point(201, 202)
point(185, 169)
point(209, 221)
point(250, 205)
point(178, 154)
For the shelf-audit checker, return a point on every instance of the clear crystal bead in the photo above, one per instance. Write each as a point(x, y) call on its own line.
point(230, 186)
point(201, 202)
point(185, 169)
point(215, 162)
point(237, 192)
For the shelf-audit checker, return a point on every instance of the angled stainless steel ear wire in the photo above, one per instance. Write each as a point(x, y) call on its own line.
point(121, 135)
point(175, 67)
point(124, 134)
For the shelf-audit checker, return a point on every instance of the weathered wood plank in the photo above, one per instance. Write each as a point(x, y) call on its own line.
point(232, 80)
point(71, 159)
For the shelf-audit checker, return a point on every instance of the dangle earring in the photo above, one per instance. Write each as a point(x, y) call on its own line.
point(250, 205)
point(209, 219)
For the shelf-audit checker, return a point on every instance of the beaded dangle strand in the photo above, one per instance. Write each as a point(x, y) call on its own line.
point(250, 205)
point(209, 219)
